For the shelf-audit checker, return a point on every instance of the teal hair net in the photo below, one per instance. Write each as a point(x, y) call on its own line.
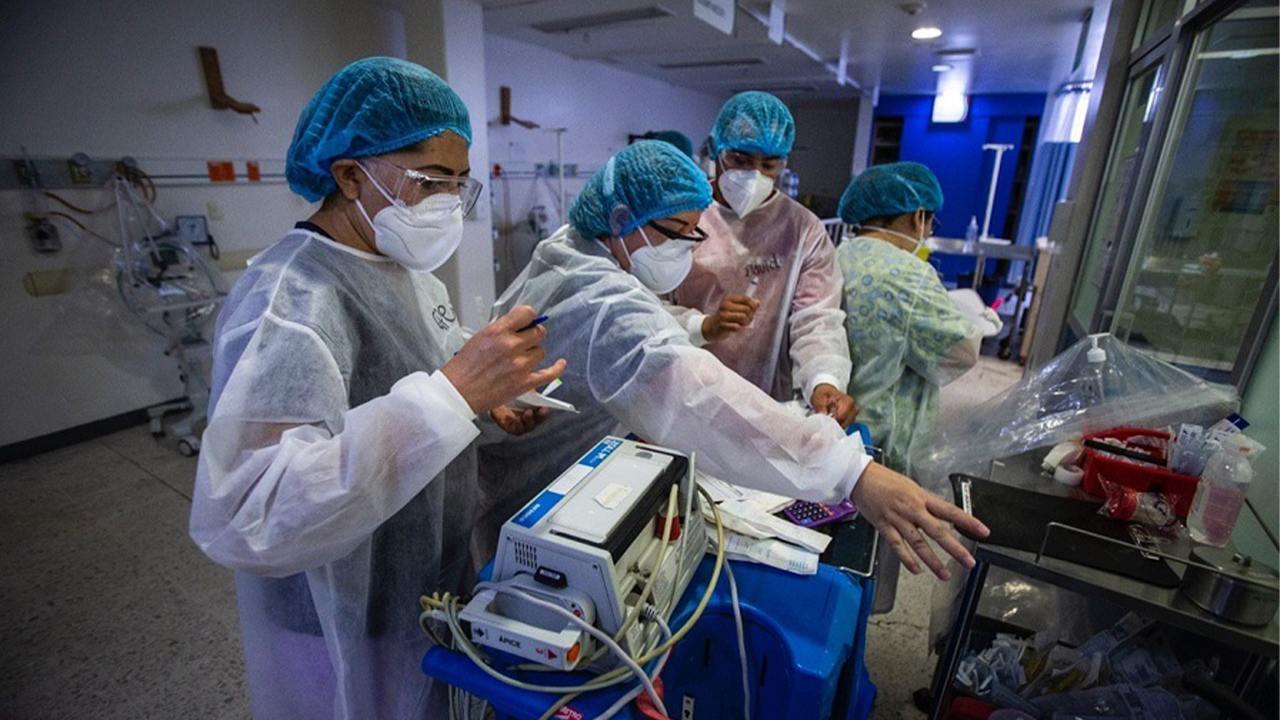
point(889, 191)
point(677, 138)
point(645, 181)
point(754, 122)
point(372, 106)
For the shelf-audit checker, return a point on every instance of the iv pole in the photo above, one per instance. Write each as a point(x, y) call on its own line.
point(995, 178)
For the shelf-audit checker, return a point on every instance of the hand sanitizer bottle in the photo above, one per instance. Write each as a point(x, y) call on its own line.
point(1222, 490)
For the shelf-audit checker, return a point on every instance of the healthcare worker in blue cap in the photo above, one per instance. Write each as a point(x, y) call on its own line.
point(906, 335)
point(338, 470)
point(630, 238)
point(764, 292)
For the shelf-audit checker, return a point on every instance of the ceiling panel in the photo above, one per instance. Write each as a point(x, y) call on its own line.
point(1022, 45)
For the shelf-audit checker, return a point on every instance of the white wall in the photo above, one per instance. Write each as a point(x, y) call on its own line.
point(469, 273)
point(598, 104)
point(116, 79)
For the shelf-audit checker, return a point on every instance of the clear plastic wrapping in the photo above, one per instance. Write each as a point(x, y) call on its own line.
point(1072, 395)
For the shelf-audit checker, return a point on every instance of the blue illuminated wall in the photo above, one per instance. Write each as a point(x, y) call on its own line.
point(954, 151)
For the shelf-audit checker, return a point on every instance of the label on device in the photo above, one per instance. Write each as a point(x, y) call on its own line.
point(611, 497)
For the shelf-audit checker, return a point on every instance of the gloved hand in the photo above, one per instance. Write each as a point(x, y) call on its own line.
point(498, 362)
point(518, 422)
point(735, 313)
point(993, 317)
point(907, 517)
point(828, 400)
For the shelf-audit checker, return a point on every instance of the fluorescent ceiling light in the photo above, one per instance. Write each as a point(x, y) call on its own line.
point(703, 64)
point(941, 67)
point(950, 107)
point(926, 33)
point(779, 89)
point(601, 20)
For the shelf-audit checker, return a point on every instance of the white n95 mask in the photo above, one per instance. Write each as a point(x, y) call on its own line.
point(745, 190)
point(661, 268)
point(921, 250)
point(421, 236)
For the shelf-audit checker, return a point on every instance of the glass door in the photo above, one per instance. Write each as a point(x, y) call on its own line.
point(1207, 241)
point(1134, 128)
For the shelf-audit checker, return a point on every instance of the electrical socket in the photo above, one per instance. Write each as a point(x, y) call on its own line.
point(44, 235)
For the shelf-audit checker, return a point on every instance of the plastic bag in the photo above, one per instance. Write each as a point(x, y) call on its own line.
point(1114, 701)
point(1069, 397)
point(1022, 602)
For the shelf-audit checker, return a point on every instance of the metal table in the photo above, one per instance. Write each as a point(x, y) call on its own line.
point(1162, 604)
point(983, 251)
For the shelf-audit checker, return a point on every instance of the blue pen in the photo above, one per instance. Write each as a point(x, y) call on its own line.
point(536, 322)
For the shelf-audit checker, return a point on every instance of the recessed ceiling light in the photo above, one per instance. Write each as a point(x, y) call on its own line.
point(941, 67)
point(926, 33)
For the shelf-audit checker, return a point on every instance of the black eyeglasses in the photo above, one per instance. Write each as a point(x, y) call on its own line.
point(698, 233)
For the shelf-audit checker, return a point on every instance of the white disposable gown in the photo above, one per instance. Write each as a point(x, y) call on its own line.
point(631, 368)
point(782, 254)
point(907, 338)
point(337, 477)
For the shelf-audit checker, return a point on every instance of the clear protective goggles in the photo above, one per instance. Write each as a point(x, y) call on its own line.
point(697, 235)
point(738, 160)
point(413, 186)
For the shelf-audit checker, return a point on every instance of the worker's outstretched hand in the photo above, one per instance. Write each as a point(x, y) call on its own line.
point(498, 362)
point(518, 422)
point(828, 400)
point(907, 517)
point(735, 313)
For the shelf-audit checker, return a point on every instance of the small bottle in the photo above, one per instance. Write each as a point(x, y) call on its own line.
point(1093, 385)
point(971, 234)
point(1222, 490)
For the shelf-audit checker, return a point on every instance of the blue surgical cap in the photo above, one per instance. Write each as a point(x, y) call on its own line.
point(889, 191)
point(645, 181)
point(370, 107)
point(677, 138)
point(754, 122)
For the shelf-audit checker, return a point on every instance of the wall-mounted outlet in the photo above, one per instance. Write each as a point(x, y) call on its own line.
point(44, 235)
point(213, 209)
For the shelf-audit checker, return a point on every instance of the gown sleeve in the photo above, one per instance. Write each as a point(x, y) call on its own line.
point(290, 477)
point(642, 369)
point(819, 344)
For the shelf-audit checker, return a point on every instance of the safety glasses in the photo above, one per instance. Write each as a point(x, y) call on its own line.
point(414, 186)
point(737, 160)
point(698, 233)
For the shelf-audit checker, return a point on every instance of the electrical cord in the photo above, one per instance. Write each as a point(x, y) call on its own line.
point(83, 228)
point(640, 604)
point(422, 622)
point(449, 606)
point(450, 610)
point(742, 643)
point(587, 627)
point(76, 208)
point(640, 607)
point(653, 575)
point(634, 693)
point(688, 524)
point(693, 618)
